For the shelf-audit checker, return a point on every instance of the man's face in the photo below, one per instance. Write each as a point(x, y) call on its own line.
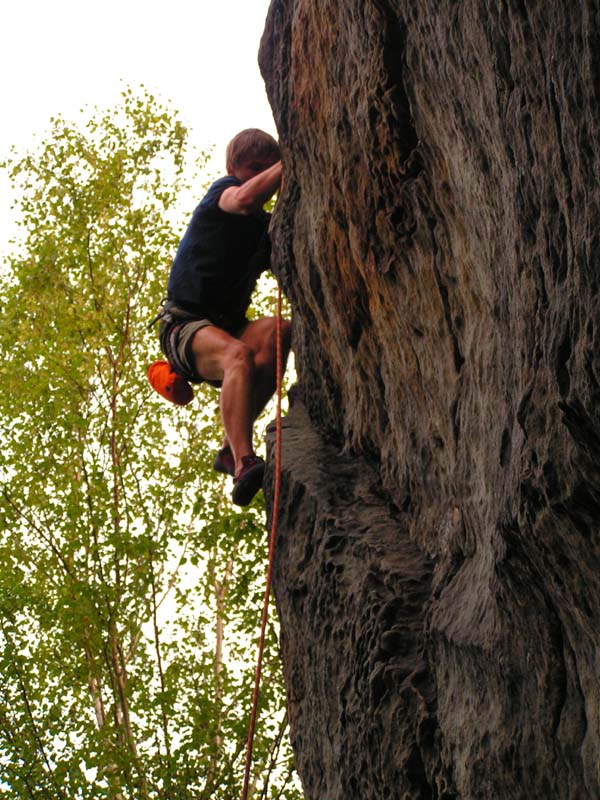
point(254, 167)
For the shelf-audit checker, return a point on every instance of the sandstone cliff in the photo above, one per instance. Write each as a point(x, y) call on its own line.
point(437, 575)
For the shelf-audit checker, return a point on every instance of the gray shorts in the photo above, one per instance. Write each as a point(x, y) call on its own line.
point(176, 333)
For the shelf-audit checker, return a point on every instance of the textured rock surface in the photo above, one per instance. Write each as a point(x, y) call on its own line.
point(437, 575)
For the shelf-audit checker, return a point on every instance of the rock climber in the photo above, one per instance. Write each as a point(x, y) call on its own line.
point(204, 332)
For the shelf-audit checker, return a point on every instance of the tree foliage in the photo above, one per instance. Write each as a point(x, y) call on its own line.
point(129, 587)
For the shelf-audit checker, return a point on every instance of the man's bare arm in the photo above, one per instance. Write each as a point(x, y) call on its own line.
point(253, 193)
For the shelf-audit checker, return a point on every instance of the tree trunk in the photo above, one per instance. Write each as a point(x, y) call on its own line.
point(438, 551)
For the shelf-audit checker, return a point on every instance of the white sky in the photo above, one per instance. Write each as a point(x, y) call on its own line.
point(57, 56)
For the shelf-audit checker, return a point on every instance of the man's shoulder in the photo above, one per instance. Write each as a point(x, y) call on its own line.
point(216, 189)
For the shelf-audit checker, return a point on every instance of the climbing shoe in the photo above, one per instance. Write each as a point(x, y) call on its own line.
point(248, 480)
point(169, 384)
point(224, 461)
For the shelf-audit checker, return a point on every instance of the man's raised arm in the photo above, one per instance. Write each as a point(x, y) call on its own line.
point(253, 193)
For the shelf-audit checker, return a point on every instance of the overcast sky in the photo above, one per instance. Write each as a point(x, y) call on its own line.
point(58, 56)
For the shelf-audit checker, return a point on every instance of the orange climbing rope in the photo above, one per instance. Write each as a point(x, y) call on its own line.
point(263, 622)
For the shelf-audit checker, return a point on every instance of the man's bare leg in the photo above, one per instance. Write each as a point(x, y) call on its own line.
point(221, 357)
point(261, 337)
point(247, 368)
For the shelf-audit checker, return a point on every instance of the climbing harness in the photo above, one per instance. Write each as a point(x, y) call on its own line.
point(263, 623)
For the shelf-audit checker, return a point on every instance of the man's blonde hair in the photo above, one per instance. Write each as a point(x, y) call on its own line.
point(249, 145)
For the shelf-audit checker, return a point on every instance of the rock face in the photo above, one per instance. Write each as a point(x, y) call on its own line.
point(437, 573)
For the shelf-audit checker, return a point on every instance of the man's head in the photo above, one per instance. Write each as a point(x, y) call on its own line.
point(251, 151)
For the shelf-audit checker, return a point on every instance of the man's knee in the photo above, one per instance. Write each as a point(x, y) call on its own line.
point(265, 359)
point(269, 343)
point(286, 340)
point(239, 357)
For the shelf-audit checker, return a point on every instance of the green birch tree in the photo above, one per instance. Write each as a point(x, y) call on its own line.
point(129, 587)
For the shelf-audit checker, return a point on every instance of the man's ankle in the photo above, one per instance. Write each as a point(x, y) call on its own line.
point(239, 461)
